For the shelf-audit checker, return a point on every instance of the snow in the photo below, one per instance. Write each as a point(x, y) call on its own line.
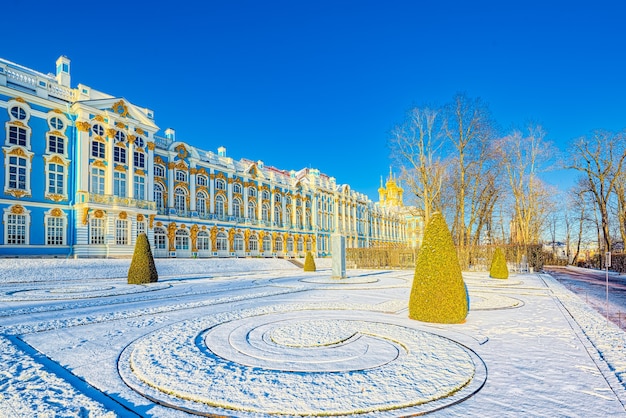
point(260, 337)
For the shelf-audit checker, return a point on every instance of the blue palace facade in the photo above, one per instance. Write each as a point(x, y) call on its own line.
point(85, 173)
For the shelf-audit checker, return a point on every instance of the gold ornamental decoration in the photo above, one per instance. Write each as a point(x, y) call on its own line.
point(120, 108)
point(194, 238)
point(111, 132)
point(56, 212)
point(171, 236)
point(98, 214)
point(83, 126)
point(151, 217)
point(140, 217)
point(17, 209)
point(151, 146)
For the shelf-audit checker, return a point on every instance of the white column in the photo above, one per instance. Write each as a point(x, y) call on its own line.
point(229, 190)
point(192, 188)
point(170, 184)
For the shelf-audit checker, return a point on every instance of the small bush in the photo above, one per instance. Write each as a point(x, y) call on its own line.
point(142, 269)
point(498, 269)
point(438, 293)
point(309, 262)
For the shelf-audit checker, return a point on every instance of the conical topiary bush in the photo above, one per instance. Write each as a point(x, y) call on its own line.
point(438, 294)
point(309, 262)
point(142, 269)
point(498, 269)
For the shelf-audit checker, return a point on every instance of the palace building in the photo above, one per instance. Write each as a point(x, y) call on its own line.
point(86, 172)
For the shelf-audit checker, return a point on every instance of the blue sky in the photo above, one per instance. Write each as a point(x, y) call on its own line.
point(321, 84)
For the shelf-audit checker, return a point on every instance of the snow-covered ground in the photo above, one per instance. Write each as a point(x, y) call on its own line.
point(259, 337)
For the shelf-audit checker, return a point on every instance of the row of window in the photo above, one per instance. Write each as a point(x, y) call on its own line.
point(97, 231)
point(119, 154)
point(120, 183)
point(203, 242)
point(17, 230)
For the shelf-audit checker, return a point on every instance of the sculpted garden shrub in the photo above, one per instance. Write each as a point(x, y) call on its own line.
point(498, 269)
point(142, 269)
point(309, 262)
point(438, 294)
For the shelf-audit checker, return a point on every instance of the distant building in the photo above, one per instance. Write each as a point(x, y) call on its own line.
point(86, 172)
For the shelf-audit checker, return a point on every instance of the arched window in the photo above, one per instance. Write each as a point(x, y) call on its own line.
point(298, 219)
point(201, 203)
point(266, 195)
point(288, 216)
point(277, 198)
point(180, 200)
point(279, 244)
point(251, 210)
point(181, 175)
point(221, 242)
point(238, 243)
point(219, 206)
point(252, 191)
point(220, 184)
point(237, 208)
point(158, 197)
point(267, 243)
point(265, 212)
point(277, 214)
point(253, 243)
point(300, 244)
point(290, 244)
point(237, 188)
point(203, 241)
point(201, 180)
point(182, 239)
point(159, 171)
point(160, 238)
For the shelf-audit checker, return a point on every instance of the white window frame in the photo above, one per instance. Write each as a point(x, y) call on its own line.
point(10, 222)
point(97, 180)
point(121, 232)
point(97, 231)
point(56, 231)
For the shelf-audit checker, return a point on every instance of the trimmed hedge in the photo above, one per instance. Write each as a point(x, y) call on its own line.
point(438, 293)
point(498, 269)
point(309, 262)
point(142, 269)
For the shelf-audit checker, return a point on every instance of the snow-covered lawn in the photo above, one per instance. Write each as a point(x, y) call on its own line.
point(259, 337)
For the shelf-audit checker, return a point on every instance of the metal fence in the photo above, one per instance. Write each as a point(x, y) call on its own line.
point(519, 258)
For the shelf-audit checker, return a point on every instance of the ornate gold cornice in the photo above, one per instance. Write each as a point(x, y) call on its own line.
point(99, 118)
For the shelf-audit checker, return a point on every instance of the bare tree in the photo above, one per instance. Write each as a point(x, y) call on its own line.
point(469, 128)
point(416, 146)
point(523, 158)
point(600, 159)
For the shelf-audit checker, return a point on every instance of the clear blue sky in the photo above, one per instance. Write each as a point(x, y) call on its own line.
point(321, 83)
